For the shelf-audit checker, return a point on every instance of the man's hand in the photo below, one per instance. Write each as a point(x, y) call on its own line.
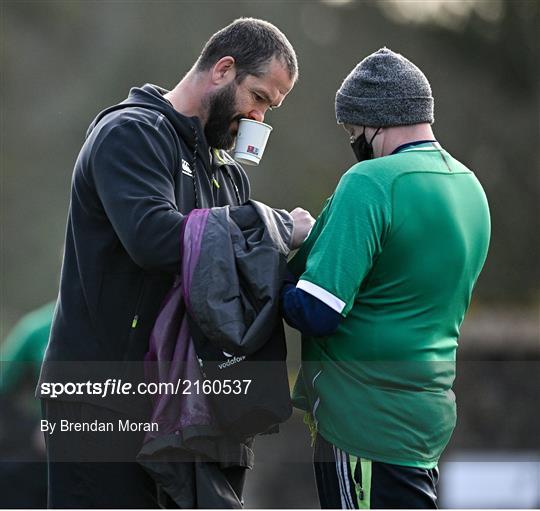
point(303, 222)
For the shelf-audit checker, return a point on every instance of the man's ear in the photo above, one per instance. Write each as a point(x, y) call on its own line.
point(353, 130)
point(223, 71)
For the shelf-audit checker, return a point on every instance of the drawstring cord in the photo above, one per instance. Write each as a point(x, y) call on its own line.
point(194, 167)
point(309, 420)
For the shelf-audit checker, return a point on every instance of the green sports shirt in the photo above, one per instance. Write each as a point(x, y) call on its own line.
point(397, 250)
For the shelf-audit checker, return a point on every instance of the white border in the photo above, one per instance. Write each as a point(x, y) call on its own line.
point(322, 294)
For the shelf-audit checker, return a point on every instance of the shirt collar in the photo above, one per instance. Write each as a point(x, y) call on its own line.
point(412, 144)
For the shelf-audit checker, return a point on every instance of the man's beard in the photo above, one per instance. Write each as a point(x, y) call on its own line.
point(221, 113)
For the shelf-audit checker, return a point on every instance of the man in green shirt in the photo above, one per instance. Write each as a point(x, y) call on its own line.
point(383, 283)
point(23, 468)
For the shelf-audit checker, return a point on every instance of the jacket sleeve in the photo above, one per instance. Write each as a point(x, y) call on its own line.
point(133, 168)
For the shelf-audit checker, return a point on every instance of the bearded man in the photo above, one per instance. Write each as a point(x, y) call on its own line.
point(145, 164)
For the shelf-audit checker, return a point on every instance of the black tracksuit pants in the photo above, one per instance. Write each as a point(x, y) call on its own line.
point(347, 482)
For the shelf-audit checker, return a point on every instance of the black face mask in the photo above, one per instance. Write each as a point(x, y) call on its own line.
point(362, 149)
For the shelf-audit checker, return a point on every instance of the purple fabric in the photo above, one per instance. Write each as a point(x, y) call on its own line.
point(191, 240)
point(171, 355)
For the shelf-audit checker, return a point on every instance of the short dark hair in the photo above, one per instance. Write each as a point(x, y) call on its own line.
point(252, 43)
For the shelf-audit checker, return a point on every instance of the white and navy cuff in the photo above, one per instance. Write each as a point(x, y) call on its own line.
point(322, 294)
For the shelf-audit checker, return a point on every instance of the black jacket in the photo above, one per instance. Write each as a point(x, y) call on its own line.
point(143, 166)
point(234, 259)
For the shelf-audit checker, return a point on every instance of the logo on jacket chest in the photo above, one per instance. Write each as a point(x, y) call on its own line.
point(186, 169)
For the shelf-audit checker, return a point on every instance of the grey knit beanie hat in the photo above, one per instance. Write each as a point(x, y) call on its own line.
point(385, 89)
